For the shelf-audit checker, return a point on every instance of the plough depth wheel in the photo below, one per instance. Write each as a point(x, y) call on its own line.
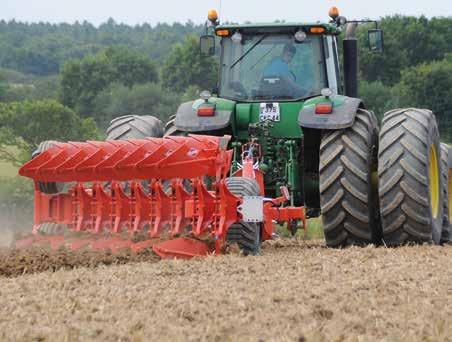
point(246, 234)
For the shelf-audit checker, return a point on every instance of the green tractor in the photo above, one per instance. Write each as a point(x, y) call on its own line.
point(284, 99)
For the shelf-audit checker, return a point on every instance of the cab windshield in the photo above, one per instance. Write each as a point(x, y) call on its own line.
point(271, 67)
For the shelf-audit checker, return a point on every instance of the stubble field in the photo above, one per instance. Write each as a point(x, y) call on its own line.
point(296, 290)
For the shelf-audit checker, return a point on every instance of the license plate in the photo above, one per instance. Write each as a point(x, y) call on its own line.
point(269, 111)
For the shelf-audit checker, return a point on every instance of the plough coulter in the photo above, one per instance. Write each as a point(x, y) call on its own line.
point(131, 193)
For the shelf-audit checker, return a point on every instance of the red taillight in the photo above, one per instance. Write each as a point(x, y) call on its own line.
point(206, 111)
point(324, 108)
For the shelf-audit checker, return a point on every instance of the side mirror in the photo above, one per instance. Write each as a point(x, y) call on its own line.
point(207, 45)
point(375, 38)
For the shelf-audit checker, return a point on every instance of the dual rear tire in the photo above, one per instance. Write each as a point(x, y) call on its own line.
point(348, 189)
point(406, 202)
point(410, 186)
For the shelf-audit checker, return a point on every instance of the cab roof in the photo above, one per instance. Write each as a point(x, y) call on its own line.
point(278, 27)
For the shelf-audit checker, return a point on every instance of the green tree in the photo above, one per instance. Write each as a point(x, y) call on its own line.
point(185, 66)
point(3, 87)
point(43, 48)
point(23, 125)
point(131, 67)
point(377, 97)
point(429, 85)
point(408, 41)
point(83, 80)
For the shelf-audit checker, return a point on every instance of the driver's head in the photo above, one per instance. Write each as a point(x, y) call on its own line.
point(288, 53)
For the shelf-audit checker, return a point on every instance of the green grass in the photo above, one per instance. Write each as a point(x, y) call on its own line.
point(314, 231)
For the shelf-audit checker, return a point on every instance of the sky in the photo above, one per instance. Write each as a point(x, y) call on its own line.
point(155, 11)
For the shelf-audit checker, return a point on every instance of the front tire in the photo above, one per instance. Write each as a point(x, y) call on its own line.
point(348, 189)
point(409, 177)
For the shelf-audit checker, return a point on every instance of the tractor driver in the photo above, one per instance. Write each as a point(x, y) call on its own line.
point(279, 67)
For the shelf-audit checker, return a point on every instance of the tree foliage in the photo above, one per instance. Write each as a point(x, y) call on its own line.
point(23, 125)
point(42, 48)
point(408, 42)
point(185, 66)
point(429, 85)
point(130, 67)
point(82, 80)
point(377, 97)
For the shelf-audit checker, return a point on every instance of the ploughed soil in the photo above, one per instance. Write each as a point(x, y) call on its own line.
point(15, 263)
point(296, 290)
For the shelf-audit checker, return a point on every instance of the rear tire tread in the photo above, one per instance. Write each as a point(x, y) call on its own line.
point(348, 202)
point(405, 140)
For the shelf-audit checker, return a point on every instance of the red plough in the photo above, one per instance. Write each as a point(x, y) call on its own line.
point(149, 188)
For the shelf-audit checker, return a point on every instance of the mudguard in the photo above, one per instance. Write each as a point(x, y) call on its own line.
point(343, 115)
point(187, 119)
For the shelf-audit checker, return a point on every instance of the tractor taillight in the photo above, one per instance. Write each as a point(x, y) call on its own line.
point(324, 108)
point(206, 111)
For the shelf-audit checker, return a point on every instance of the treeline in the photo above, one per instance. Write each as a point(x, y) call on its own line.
point(43, 48)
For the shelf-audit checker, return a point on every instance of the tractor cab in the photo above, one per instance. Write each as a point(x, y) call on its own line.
point(276, 66)
point(277, 63)
point(282, 61)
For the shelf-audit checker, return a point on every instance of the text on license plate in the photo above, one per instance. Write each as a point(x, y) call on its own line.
point(269, 111)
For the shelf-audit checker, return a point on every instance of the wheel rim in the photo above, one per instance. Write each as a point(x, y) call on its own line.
point(434, 181)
